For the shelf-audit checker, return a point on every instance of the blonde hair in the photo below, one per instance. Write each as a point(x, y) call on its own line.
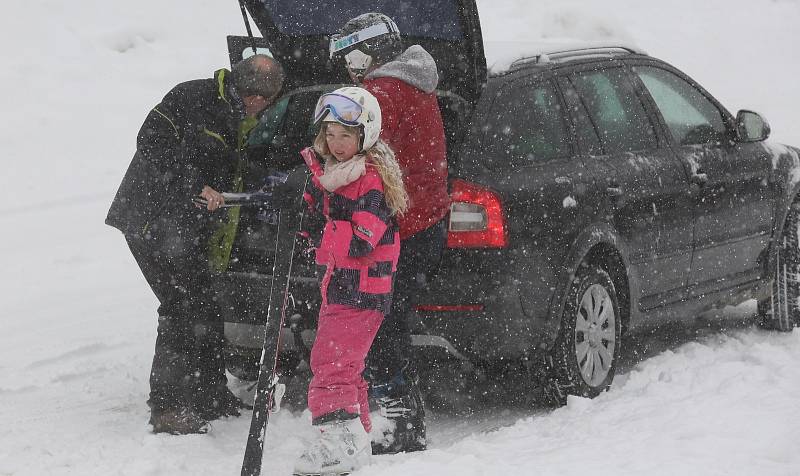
point(383, 159)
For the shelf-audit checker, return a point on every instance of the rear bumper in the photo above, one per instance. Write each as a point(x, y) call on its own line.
point(510, 293)
point(505, 291)
point(247, 340)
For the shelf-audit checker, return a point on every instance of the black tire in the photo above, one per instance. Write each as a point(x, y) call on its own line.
point(585, 356)
point(781, 311)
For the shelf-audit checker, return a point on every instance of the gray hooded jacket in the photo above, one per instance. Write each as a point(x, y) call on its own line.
point(414, 66)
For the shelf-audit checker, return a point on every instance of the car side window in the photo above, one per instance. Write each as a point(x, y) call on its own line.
point(689, 115)
point(529, 125)
point(585, 130)
point(615, 109)
point(269, 124)
point(287, 122)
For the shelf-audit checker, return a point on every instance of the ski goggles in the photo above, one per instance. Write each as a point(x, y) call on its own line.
point(343, 109)
point(339, 43)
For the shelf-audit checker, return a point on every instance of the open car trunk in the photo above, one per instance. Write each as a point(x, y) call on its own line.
point(297, 33)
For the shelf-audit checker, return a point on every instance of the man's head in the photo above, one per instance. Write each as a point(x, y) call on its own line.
point(258, 79)
point(366, 42)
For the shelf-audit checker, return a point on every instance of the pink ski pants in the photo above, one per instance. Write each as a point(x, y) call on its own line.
point(344, 336)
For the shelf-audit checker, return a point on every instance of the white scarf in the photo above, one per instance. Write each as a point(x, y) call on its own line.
point(338, 174)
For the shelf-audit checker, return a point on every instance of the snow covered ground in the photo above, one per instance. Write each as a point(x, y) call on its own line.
point(78, 321)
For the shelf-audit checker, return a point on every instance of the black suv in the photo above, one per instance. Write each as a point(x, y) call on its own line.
point(594, 190)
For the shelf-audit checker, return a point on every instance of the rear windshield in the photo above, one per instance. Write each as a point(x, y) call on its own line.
point(436, 19)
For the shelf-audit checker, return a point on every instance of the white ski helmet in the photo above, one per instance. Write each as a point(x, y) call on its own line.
point(352, 106)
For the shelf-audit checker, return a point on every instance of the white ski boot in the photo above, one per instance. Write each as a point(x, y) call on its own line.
point(343, 447)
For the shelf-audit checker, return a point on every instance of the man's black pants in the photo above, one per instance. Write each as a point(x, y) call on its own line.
point(420, 255)
point(188, 365)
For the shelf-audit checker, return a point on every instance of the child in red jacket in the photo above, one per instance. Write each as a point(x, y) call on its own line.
point(359, 190)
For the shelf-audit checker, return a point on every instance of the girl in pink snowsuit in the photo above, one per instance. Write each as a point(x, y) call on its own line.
point(359, 190)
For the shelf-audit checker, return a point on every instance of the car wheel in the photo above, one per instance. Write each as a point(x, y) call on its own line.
point(587, 347)
point(781, 311)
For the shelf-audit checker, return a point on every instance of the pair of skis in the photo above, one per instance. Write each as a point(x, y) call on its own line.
point(290, 220)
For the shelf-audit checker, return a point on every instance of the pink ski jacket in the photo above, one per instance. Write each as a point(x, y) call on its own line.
point(360, 241)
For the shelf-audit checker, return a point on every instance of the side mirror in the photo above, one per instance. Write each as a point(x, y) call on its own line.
point(751, 127)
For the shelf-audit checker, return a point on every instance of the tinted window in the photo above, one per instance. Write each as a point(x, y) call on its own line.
point(616, 111)
point(287, 122)
point(690, 116)
point(528, 125)
point(436, 19)
point(269, 124)
point(588, 139)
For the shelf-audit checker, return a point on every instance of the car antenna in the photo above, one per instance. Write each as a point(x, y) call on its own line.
point(247, 26)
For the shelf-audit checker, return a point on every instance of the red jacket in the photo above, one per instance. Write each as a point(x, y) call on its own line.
point(412, 126)
point(360, 242)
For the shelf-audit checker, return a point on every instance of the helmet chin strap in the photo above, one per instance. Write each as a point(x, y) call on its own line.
point(358, 75)
point(361, 138)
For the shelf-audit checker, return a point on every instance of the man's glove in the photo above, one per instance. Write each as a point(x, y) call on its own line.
point(284, 196)
point(285, 188)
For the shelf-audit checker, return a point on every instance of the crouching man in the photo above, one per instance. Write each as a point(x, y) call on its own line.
point(190, 145)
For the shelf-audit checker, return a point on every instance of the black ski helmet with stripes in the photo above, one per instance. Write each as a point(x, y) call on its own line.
point(374, 35)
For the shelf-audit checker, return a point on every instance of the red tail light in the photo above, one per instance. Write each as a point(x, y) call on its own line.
point(476, 217)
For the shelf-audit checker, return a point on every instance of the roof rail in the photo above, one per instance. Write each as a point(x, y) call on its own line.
point(574, 53)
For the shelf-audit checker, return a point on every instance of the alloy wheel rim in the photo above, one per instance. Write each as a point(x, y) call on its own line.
point(595, 335)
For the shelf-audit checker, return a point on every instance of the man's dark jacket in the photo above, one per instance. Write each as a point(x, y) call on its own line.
point(187, 141)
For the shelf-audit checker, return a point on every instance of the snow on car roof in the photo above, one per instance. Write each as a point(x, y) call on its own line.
point(502, 56)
